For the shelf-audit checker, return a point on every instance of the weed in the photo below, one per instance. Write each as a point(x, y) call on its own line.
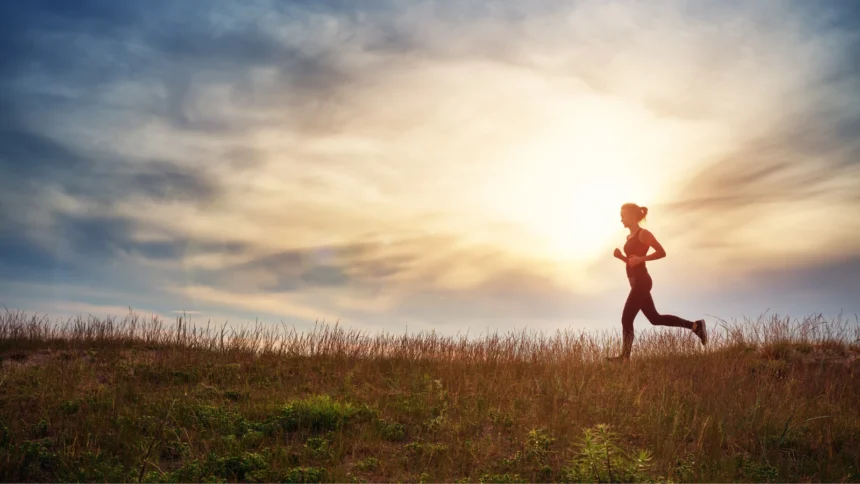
point(684, 469)
point(602, 459)
point(253, 438)
point(40, 429)
point(511, 462)
point(391, 431)
point(435, 424)
point(427, 449)
point(367, 464)
point(220, 420)
point(70, 407)
point(238, 467)
point(318, 447)
point(303, 474)
point(538, 444)
point(501, 478)
point(315, 413)
point(94, 466)
point(757, 471)
point(503, 420)
point(39, 459)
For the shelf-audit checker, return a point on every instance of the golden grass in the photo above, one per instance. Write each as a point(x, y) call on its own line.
point(89, 399)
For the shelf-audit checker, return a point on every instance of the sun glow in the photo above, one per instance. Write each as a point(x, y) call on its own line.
point(565, 184)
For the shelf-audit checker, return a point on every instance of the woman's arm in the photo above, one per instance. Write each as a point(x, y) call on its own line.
point(648, 239)
point(620, 255)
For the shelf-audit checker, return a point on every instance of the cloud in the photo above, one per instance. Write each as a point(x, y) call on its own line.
point(256, 303)
point(795, 177)
point(22, 260)
point(426, 160)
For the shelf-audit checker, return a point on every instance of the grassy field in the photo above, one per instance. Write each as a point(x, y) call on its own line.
point(141, 400)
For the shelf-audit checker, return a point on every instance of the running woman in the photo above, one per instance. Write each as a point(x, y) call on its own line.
point(634, 256)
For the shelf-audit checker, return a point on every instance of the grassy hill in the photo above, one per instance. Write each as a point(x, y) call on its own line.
point(138, 399)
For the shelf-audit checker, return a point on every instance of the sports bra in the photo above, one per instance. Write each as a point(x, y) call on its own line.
point(634, 246)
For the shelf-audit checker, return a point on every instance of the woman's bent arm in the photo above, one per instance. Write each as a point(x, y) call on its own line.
point(648, 238)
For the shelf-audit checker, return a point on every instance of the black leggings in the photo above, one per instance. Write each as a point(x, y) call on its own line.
point(640, 299)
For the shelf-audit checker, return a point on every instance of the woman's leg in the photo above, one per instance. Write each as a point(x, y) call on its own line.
point(635, 299)
point(657, 319)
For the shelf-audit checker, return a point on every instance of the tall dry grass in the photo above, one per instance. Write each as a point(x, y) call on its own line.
point(137, 398)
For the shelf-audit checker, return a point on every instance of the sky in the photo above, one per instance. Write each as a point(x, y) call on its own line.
point(415, 166)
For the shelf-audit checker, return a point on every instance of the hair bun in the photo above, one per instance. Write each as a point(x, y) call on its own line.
point(644, 211)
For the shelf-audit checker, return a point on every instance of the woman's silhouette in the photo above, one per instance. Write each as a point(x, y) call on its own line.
point(634, 256)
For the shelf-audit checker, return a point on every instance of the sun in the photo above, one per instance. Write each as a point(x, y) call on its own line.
point(580, 224)
point(575, 219)
point(566, 192)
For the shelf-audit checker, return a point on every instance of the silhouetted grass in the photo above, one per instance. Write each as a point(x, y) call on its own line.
point(138, 399)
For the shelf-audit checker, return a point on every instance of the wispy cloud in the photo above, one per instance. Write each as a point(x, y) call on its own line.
point(420, 160)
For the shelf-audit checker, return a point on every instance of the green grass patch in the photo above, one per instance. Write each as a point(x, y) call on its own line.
point(316, 413)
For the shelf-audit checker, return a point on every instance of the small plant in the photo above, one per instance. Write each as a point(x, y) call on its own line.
point(39, 457)
point(318, 447)
point(538, 444)
point(315, 413)
point(684, 469)
point(303, 474)
point(430, 449)
point(221, 420)
point(355, 479)
point(391, 431)
point(513, 461)
point(501, 478)
point(757, 471)
point(70, 407)
point(435, 424)
point(238, 467)
point(367, 464)
point(94, 466)
point(602, 459)
point(174, 449)
point(40, 429)
point(503, 420)
point(252, 439)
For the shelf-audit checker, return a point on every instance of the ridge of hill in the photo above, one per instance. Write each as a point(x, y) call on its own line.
point(135, 399)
